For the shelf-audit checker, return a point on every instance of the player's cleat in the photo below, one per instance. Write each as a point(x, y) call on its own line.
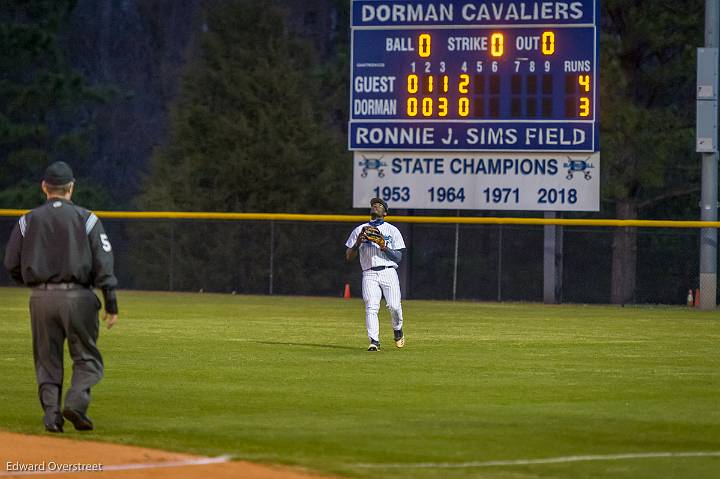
point(399, 338)
point(374, 345)
point(79, 420)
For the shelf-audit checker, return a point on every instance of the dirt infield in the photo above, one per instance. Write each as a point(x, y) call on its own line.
point(47, 455)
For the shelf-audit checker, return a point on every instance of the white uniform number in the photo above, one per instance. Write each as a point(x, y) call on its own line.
point(106, 246)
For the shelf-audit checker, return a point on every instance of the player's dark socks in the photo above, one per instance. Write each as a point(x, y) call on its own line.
point(398, 334)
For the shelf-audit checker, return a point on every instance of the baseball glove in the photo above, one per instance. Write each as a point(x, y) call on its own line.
point(373, 234)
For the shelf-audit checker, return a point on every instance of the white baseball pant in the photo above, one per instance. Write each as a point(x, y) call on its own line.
point(375, 285)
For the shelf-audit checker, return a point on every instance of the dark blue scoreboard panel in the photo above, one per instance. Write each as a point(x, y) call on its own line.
point(475, 76)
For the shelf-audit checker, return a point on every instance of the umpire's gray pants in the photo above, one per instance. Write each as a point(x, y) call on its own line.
point(56, 315)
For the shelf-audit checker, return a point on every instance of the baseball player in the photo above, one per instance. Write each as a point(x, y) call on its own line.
point(61, 250)
point(380, 246)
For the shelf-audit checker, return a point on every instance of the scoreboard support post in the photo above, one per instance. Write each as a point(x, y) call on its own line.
point(552, 261)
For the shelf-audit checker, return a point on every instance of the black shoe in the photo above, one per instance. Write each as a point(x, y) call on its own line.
point(53, 427)
point(374, 345)
point(79, 420)
point(53, 421)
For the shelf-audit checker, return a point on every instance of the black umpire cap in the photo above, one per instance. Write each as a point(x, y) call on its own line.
point(58, 173)
point(381, 201)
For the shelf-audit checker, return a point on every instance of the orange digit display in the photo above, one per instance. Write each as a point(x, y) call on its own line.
point(497, 44)
point(584, 106)
point(430, 84)
point(427, 106)
point(584, 81)
point(442, 107)
point(548, 43)
point(424, 42)
point(464, 82)
point(463, 106)
point(412, 106)
point(412, 83)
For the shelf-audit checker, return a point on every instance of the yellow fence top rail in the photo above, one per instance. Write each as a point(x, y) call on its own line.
point(183, 215)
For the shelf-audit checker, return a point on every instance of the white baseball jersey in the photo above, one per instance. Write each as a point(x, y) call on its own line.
point(370, 253)
point(381, 281)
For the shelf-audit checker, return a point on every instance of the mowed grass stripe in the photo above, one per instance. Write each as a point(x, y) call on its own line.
point(288, 380)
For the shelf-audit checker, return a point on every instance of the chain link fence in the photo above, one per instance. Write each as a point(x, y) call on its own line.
point(443, 261)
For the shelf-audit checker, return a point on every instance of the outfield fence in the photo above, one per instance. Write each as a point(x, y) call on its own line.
point(480, 258)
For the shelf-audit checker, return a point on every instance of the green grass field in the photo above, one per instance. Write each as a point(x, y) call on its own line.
point(287, 380)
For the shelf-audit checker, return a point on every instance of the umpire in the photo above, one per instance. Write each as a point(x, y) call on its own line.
point(61, 251)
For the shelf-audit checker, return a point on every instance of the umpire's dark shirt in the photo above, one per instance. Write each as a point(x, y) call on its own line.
point(60, 242)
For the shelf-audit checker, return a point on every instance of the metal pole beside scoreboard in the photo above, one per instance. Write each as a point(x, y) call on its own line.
point(707, 145)
point(475, 105)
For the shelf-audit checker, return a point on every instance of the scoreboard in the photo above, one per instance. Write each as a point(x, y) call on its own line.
point(476, 82)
